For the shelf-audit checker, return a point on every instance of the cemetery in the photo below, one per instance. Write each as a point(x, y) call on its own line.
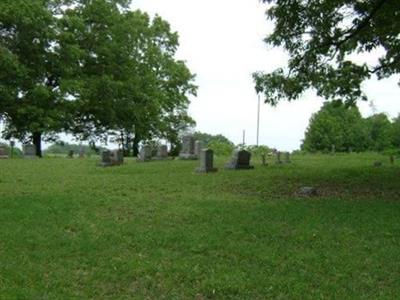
point(145, 154)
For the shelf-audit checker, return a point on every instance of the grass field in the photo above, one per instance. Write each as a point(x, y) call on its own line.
point(70, 229)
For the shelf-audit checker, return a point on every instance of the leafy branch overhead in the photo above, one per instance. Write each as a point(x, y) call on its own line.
point(320, 37)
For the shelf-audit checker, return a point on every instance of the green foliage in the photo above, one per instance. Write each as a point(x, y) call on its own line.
point(64, 147)
point(319, 37)
point(379, 132)
point(396, 132)
point(338, 125)
point(341, 126)
point(220, 144)
point(93, 69)
point(258, 151)
point(220, 148)
point(206, 138)
point(72, 230)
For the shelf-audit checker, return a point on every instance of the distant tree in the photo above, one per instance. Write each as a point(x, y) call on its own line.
point(207, 138)
point(62, 147)
point(338, 125)
point(396, 132)
point(379, 132)
point(219, 143)
point(320, 36)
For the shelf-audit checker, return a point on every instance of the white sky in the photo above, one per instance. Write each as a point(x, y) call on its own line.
point(222, 42)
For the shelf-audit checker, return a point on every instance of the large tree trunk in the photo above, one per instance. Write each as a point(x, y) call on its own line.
point(37, 141)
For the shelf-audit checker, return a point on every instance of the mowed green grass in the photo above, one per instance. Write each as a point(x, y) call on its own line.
point(71, 229)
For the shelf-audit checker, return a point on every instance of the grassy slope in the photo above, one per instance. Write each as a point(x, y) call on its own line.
point(158, 230)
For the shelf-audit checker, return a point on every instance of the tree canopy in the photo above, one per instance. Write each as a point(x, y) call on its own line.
point(343, 128)
point(320, 36)
point(90, 68)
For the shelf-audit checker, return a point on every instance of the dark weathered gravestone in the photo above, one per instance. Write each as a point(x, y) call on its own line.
point(3, 152)
point(162, 152)
point(240, 161)
point(145, 153)
point(29, 151)
point(198, 147)
point(188, 148)
point(391, 159)
point(378, 164)
point(117, 157)
point(111, 158)
point(106, 158)
point(206, 162)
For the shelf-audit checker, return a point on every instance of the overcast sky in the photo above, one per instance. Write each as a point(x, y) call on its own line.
point(222, 43)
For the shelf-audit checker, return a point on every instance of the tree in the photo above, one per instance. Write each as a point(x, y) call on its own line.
point(32, 102)
point(131, 87)
point(396, 132)
point(93, 69)
point(379, 132)
point(336, 125)
point(320, 36)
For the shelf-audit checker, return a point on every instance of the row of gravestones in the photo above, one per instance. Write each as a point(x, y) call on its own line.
point(146, 153)
point(240, 161)
point(29, 151)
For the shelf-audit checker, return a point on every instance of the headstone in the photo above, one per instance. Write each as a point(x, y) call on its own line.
point(206, 162)
point(112, 158)
point(145, 153)
point(240, 160)
point(162, 152)
point(188, 148)
point(3, 152)
point(391, 158)
point(378, 164)
point(117, 157)
point(198, 147)
point(81, 152)
point(106, 158)
point(287, 158)
point(29, 151)
point(70, 154)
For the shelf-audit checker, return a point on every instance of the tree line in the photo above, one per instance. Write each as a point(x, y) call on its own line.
point(342, 128)
point(93, 69)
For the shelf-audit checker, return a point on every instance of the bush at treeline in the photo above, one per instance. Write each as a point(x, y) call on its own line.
point(343, 128)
